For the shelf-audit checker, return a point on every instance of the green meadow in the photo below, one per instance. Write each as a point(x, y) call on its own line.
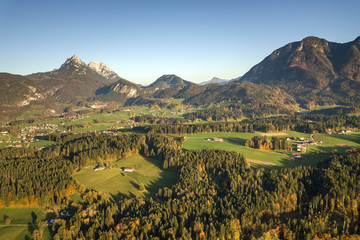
point(236, 142)
point(20, 220)
point(113, 181)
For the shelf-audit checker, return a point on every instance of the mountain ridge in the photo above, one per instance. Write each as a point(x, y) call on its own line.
point(312, 70)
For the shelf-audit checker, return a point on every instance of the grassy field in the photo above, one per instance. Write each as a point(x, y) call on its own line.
point(20, 218)
point(116, 183)
point(236, 142)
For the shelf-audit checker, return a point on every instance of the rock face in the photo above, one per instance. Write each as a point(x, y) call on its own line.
point(313, 70)
point(18, 91)
point(119, 91)
point(73, 61)
point(104, 70)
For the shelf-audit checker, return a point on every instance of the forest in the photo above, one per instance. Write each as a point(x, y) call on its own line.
point(301, 123)
point(218, 195)
point(261, 142)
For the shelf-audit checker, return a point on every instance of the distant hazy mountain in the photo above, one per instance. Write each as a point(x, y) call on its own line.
point(215, 80)
point(314, 70)
point(234, 79)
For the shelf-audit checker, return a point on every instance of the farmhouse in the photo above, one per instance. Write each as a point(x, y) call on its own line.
point(301, 148)
point(218, 139)
point(99, 168)
point(127, 169)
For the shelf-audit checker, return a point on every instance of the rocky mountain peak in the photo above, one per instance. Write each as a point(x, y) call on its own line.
point(104, 70)
point(74, 60)
point(98, 66)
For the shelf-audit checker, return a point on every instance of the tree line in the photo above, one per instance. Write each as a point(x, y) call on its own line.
point(300, 123)
point(276, 143)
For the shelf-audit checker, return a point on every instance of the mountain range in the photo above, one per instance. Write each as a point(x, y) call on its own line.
point(310, 72)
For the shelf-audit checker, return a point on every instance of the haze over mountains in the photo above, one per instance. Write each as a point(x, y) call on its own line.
point(308, 72)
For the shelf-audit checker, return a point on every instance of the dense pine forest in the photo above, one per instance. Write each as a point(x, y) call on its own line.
point(218, 195)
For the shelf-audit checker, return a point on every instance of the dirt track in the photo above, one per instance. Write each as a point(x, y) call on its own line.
point(261, 162)
point(274, 134)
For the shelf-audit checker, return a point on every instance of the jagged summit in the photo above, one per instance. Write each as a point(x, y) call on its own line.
point(104, 70)
point(74, 60)
point(98, 66)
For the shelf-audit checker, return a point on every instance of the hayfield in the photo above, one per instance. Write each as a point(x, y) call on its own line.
point(113, 181)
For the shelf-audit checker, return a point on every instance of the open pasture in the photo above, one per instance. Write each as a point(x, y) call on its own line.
point(236, 142)
point(115, 182)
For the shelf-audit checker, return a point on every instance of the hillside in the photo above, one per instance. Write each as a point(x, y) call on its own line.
point(125, 92)
point(242, 92)
point(167, 81)
point(119, 91)
point(17, 93)
point(314, 71)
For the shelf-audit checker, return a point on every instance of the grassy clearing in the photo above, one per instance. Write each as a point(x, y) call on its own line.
point(318, 107)
point(236, 142)
point(116, 183)
point(21, 215)
point(20, 218)
point(14, 232)
point(42, 143)
point(76, 198)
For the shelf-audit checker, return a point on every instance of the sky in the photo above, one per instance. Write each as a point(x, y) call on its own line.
point(144, 39)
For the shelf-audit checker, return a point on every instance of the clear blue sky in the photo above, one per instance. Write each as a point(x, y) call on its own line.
point(142, 40)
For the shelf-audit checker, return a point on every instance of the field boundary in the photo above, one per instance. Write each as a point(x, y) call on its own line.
point(260, 162)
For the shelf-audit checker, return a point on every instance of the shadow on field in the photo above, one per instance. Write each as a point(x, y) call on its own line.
point(349, 137)
point(118, 196)
point(166, 178)
point(333, 149)
point(237, 141)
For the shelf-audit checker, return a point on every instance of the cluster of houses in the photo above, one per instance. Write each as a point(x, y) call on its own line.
point(105, 132)
point(32, 129)
point(339, 133)
point(124, 169)
point(182, 111)
point(27, 134)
